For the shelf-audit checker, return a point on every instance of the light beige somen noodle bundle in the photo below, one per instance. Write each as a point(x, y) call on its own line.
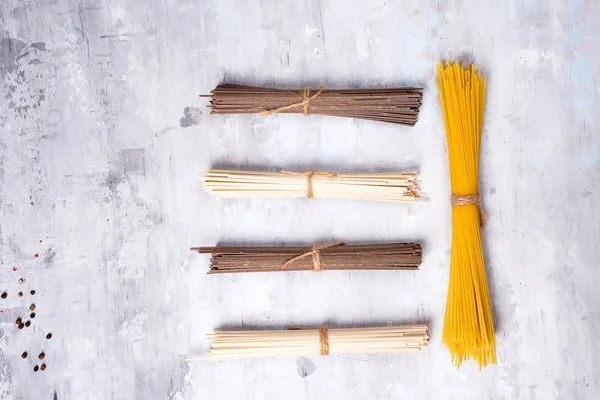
point(396, 186)
point(323, 341)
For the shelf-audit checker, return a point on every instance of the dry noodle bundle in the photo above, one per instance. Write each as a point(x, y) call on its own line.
point(399, 106)
point(397, 186)
point(323, 341)
point(337, 256)
point(468, 325)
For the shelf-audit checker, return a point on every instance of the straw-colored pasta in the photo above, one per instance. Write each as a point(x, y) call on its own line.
point(395, 186)
point(323, 341)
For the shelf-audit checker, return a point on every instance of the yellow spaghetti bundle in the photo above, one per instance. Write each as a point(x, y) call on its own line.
point(468, 325)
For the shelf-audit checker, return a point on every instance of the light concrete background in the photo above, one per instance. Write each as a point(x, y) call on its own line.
point(103, 137)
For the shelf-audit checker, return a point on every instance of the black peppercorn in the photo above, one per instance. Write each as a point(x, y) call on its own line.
point(27, 323)
point(32, 315)
point(36, 368)
point(21, 325)
point(32, 292)
point(49, 336)
point(4, 295)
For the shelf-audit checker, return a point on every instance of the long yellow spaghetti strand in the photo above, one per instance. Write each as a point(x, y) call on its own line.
point(468, 325)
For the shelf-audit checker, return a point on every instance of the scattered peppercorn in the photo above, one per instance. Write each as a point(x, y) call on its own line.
point(4, 295)
point(32, 315)
point(32, 292)
point(27, 323)
point(36, 368)
point(32, 307)
point(49, 336)
point(24, 355)
point(21, 325)
point(20, 294)
point(18, 321)
point(42, 355)
point(43, 367)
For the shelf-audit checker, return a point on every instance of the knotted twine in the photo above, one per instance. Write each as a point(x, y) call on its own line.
point(304, 103)
point(324, 341)
point(315, 253)
point(309, 175)
point(456, 201)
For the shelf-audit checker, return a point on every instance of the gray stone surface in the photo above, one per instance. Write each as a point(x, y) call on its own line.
point(103, 137)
